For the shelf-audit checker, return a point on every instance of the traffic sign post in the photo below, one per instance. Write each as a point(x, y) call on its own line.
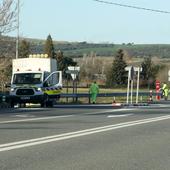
point(131, 72)
point(138, 69)
point(74, 71)
point(129, 75)
point(169, 75)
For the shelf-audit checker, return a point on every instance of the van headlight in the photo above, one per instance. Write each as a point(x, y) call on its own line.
point(39, 89)
point(12, 89)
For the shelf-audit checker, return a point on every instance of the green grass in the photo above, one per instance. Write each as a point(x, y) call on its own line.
point(119, 99)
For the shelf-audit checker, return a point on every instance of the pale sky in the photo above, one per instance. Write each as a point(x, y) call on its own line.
point(87, 20)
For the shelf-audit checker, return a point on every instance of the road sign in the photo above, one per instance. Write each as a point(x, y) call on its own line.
point(73, 71)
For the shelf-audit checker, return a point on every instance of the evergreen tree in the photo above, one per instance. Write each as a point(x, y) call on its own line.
point(118, 73)
point(24, 49)
point(49, 47)
point(146, 68)
point(149, 71)
point(64, 62)
point(59, 58)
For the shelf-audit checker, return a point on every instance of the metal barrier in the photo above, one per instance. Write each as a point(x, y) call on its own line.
point(115, 94)
point(5, 98)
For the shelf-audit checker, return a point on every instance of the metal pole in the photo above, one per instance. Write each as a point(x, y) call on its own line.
point(131, 91)
point(137, 91)
point(17, 39)
point(73, 90)
point(127, 101)
point(67, 88)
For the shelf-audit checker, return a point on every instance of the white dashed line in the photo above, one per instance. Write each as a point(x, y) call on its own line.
point(24, 116)
point(34, 119)
point(125, 115)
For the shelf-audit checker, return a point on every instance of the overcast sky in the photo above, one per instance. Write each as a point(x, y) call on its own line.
point(87, 20)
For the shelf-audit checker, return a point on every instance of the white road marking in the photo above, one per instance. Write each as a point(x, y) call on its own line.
point(53, 117)
point(33, 119)
point(29, 108)
point(48, 139)
point(123, 115)
point(110, 111)
point(24, 116)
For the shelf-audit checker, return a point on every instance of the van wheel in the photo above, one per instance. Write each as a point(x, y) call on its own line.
point(42, 104)
point(12, 104)
point(49, 103)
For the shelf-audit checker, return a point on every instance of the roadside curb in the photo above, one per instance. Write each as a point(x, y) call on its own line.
point(135, 104)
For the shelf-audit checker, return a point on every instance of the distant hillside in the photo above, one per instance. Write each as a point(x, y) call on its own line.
point(78, 49)
point(159, 50)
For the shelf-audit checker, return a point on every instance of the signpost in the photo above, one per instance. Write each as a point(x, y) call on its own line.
point(74, 71)
point(131, 72)
point(138, 69)
point(169, 75)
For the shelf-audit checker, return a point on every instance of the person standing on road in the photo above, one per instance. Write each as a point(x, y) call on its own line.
point(165, 91)
point(94, 90)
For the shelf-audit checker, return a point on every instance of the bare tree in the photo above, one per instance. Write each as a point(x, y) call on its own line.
point(8, 13)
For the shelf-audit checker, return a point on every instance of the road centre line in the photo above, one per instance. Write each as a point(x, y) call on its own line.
point(33, 119)
point(110, 111)
point(48, 139)
point(24, 116)
point(123, 115)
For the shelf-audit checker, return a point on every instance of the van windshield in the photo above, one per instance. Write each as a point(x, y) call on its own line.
point(27, 78)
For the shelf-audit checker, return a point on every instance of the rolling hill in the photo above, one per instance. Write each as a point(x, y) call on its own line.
point(78, 49)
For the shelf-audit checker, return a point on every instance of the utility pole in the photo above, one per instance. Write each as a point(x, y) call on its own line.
point(17, 38)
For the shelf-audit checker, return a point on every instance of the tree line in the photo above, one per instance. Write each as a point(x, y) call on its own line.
point(117, 76)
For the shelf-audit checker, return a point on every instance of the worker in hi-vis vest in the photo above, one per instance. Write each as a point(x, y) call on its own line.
point(94, 90)
point(165, 91)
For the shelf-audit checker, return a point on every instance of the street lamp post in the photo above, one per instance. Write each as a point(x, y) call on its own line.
point(17, 39)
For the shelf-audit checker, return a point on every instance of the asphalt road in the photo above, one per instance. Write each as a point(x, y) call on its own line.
point(87, 138)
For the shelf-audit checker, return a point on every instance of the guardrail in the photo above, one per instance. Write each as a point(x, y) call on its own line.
point(6, 98)
point(115, 94)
